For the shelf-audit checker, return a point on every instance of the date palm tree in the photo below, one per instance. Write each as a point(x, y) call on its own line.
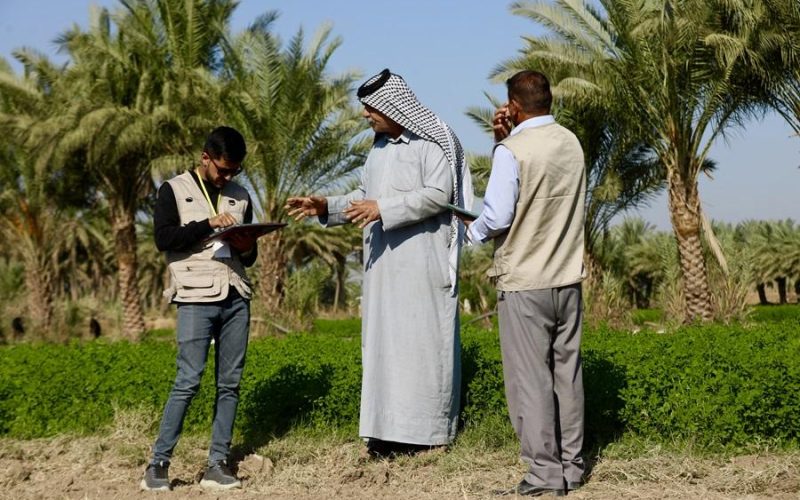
point(302, 131)
point(681, 69)
point(629, 251)
point(31, 225)
point(787, 99)
point(776, 249)
point(307, 242)
point(137, 88)
point(37, 203)
point(775, 69)
point(88, 265)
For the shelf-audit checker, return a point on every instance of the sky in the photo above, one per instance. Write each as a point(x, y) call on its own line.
point(445, 50)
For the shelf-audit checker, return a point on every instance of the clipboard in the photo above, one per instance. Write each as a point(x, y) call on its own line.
point(463, 211)
point(256, 230)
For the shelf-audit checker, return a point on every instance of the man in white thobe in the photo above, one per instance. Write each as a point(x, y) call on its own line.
point(410, 342)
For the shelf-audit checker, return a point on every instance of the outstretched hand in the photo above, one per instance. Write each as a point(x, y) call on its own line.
point(362, 212)
point(306, 206)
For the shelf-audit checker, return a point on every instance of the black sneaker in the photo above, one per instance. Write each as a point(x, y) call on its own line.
point(219, 477)
point(573, 485)
point(156, 477)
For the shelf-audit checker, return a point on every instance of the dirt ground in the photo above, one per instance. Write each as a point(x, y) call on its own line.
point(111, 466)
point(772, 296)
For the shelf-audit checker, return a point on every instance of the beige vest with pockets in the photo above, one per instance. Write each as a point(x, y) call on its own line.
point(543, 248)
point(196, 275)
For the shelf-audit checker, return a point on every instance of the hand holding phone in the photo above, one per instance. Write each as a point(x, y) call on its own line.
point(501, 123)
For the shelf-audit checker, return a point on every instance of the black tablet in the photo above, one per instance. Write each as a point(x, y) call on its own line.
point(254, 230)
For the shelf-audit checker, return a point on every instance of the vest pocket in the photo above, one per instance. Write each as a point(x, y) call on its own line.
point(193, 285)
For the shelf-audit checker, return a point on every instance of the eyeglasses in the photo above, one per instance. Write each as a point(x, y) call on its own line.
point(225, 172)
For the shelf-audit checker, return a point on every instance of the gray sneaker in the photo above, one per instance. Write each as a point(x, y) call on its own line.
point(156, 477)
point(219, 477)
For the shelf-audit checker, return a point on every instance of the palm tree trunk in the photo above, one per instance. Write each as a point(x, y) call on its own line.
point(594, 275)
point(762, 294)
point(40, 297)
point(124, 229)
point(272, 264)
point(781, 284)
point(592, 268)
point(684, 207)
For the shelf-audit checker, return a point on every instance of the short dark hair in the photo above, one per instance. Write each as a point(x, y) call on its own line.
point(531, 90)
point(226, 143)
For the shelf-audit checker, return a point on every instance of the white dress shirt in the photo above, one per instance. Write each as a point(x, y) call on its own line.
point(503, 188)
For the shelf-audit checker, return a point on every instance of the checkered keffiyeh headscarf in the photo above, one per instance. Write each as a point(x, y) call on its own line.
point(389, 94)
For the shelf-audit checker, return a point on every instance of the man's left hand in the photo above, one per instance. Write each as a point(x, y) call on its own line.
point(242, 243)
point(363, 212)
point(465, 219)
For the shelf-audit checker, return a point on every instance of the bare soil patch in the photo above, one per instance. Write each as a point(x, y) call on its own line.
point(111, 466)
point(93, 468)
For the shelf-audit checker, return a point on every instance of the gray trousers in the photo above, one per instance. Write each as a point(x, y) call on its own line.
point(540, 339)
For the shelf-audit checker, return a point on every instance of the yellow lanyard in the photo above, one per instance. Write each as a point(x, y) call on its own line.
point(208, 198)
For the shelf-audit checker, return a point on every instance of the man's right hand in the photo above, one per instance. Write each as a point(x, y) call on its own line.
point(222, 220)
point(501, 123)
point(306, 206)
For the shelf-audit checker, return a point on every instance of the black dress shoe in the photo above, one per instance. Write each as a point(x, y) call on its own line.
point(524, 488)
point(377, 448)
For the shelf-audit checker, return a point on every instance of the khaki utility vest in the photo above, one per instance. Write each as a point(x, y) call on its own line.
point(543, 248)
point(196, 275)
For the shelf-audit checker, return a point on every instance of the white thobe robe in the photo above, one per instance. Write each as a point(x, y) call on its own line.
point(410, 344)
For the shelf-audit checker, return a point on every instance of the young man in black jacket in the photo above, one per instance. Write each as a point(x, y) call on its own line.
point(209, 285)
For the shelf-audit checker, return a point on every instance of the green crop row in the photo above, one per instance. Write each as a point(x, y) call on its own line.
point(716, 385)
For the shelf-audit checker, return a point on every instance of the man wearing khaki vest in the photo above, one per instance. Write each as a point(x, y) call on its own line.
point(534, 210)
point(209, 285)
